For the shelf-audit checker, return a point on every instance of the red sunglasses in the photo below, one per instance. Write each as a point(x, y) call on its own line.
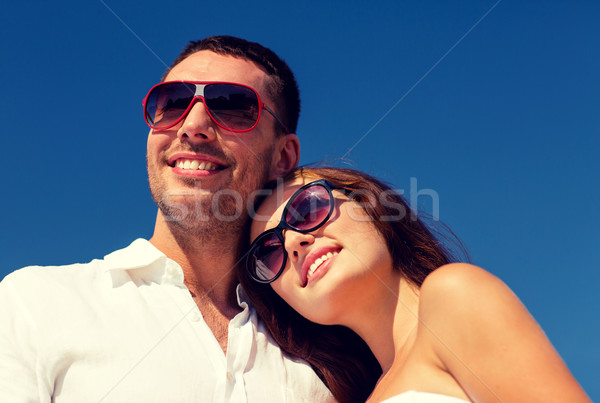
point(233, 107)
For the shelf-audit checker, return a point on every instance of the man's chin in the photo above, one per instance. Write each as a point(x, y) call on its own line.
point(203, 216)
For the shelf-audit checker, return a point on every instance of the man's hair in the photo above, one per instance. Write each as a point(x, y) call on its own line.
point(282, 88)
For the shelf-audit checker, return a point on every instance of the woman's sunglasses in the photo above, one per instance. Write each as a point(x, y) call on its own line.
point(234, 107)
point(308, 209)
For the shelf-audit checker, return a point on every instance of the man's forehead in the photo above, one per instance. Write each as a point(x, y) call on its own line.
point(206, 65)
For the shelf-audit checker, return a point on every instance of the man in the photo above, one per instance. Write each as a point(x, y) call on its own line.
point(164, 320)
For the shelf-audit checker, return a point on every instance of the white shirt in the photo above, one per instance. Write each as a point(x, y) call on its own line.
point(126, 329)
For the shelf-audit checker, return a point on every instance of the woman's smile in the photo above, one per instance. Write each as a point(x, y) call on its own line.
point(319, 265)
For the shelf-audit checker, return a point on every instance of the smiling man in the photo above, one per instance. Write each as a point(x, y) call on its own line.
point(164, 319)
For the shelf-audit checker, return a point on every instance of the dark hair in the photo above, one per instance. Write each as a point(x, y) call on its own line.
point(336, 353)
point(283, 88)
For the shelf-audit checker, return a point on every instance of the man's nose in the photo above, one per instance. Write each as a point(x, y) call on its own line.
point(296, 244)
point(197, 125)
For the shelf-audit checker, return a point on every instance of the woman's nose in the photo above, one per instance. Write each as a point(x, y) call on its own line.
point(297, 243)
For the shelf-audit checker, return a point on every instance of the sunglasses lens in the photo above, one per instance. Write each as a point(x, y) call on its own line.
point(167, 103)
point(309, 209)
point(267, 257)
point(232, 106)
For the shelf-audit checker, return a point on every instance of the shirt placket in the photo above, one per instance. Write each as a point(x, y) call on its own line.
point(239, 344)
point(206, 340)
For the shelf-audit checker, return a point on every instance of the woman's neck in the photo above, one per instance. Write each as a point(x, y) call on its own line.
point(389, 321)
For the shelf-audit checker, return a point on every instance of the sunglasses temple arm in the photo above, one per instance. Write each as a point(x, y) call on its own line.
point(277, 118)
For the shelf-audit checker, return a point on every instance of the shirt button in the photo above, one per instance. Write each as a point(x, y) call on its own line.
point(229, 376)
point(172, 271)
point(195, 316)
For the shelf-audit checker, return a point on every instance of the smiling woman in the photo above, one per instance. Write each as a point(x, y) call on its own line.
point(348, 278)
point(342, 358)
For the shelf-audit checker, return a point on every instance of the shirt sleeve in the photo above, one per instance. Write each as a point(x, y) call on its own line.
point(18, 358)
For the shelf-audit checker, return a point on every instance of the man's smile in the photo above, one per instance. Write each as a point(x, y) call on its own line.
point(195, 165)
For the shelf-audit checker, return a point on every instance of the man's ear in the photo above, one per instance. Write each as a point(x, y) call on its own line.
point(286, 156)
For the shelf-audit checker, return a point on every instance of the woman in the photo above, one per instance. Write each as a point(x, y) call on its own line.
point(345, 252)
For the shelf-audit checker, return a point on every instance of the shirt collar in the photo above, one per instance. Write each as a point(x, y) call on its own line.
point(144, 262)
point(141, 253)
point(151, 263)
point(242, 298)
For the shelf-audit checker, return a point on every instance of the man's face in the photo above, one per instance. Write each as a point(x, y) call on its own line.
point(200, 174)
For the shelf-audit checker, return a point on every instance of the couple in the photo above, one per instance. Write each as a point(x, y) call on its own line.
point(387, 314)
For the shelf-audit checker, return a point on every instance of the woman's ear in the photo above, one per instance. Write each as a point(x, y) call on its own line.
point(286, 156)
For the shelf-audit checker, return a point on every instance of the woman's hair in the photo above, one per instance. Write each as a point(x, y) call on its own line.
point(341, 358)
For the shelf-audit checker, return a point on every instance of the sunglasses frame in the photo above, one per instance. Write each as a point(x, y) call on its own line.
point(283, 225)
point(199, 96)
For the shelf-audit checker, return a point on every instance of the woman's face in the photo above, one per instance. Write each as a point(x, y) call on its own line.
point(333, 268)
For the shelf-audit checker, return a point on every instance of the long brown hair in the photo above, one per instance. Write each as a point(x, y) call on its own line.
point(341, 358)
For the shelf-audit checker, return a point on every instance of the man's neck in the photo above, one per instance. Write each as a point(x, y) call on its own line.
point(208, 263)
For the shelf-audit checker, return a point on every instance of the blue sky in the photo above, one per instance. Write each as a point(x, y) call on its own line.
point(492, 107)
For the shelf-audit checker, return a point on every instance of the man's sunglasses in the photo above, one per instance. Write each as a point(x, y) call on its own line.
point(233, 107)
point(308, 209)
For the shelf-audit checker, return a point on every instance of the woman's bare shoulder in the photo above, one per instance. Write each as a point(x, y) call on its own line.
point(470, 307)
point(484, 336)
point(462, 285)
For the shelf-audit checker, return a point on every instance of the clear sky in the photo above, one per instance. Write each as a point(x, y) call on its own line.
point(489, 109)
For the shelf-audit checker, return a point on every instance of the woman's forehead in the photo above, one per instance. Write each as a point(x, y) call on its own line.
point(278, 199)
point(269, 213)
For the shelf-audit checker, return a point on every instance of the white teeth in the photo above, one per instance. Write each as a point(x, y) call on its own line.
point(195, 165)
point(318, 262)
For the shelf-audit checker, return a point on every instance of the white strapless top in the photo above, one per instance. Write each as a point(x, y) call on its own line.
point(422, 397)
